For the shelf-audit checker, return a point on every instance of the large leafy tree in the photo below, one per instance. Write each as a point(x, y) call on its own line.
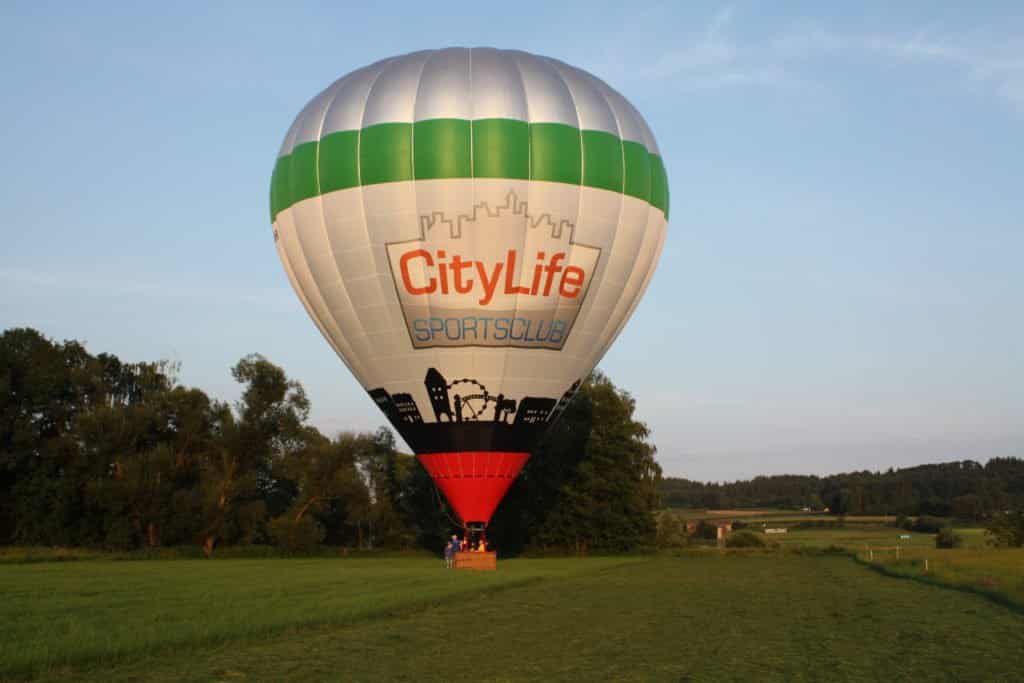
point(44, 386)
point(328, 484)
point(267, 426)
point(591, 485)
point(148, 454)
point(1006, 529)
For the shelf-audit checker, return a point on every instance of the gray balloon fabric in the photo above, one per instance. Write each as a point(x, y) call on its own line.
point(470, 229)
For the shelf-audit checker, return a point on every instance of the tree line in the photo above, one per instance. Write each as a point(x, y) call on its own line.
point(99, 452)
point(965, 489)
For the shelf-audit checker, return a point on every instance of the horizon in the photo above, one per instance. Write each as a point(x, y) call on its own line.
point(840, 286)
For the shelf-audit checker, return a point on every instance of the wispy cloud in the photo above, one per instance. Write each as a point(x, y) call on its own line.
point(713, 60)
point(714, 57)
point(98, 286)
point(997, 66)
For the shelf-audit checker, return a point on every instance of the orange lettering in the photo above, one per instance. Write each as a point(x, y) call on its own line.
point(572, 277)
point(407, 279)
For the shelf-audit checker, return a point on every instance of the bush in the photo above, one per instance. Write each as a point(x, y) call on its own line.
point(744, 539)
point(1006, 529)
point(671, 530)
point(946, 538)
point(706, 530)
point(296, 536)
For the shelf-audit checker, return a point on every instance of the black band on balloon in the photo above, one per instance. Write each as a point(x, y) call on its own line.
point(453, 437)
point(467, 417)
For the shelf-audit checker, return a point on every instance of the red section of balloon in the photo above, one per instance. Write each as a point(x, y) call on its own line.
point(474, 482)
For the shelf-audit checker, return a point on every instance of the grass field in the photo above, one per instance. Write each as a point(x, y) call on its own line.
point(70, 612)
point(696, 617)
point(996, 573)
point(778, 517)
point(851, 537)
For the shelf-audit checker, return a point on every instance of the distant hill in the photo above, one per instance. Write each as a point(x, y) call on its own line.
point(964, 489)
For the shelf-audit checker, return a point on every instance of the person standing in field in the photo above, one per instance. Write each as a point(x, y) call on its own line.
point(456, 544)
point(449, 555)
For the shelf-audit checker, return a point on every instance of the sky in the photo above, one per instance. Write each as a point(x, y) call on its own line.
point(842, 281)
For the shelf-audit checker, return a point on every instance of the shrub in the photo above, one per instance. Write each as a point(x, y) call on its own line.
point(744, 539)
point(1006, 529)
point(706, 530)
point(671, 530)
point(947, 538)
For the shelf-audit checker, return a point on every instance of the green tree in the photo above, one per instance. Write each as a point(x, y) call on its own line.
point(424, 510)
point(671, 530)
point(967, 507)
point(267, 426)
point(327, 481)
point(744, 539)
point(43, 388)
point(608, 502)
point(1006, 529)
point(947, 538)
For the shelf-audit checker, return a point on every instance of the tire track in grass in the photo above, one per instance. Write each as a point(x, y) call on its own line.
point(998, 597)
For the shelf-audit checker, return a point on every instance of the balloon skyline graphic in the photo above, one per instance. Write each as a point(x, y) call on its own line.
point(470, 229)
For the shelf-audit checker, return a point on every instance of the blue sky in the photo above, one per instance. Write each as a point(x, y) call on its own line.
point(841, 287)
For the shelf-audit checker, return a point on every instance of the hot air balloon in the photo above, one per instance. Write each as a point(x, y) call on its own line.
point(469, 229)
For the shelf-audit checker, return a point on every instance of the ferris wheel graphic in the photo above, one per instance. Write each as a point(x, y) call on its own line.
point(466, 400)
point(469, 400)
point(472, 407)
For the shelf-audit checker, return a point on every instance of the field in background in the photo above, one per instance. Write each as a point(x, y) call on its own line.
point(995, 573)
point(851, 537)
point(776, 516)
point(695, 617)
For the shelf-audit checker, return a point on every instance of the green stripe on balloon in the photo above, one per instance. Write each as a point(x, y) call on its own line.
point(441, 149)
point(555, 153)
point(304, 178)
point(385, 153)
point(602, 160)
point(659, 184)
point(457, 148)
point(638, 170)
point(501, 149)
point(338, 162)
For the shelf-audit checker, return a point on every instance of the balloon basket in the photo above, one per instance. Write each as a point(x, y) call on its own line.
point(476, 561)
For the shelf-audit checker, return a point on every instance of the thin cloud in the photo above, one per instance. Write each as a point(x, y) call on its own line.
point(714, 58)
point(709, 51)
point(998, 66)
point(93, 286)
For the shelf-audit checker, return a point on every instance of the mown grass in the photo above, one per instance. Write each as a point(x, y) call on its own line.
point(777, 516)
point(66, 613)
point(759, 617)
point(851, 537)
point(993, 572)
point(997, 573)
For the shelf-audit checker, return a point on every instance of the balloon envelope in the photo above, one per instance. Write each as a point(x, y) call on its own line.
point(470, 229)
